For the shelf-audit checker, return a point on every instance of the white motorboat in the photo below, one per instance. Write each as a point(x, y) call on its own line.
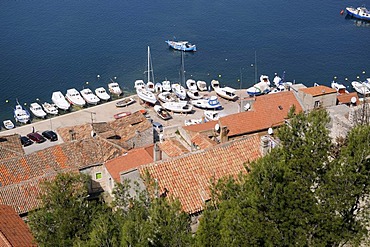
point(179, 90)
point(215, 84)
point(36, 109)
point(166, 86)
point(74, 97)
point(21, 115)
point(125, 102)
point(211, 115)
point(158, 88)
point(211, 103)
point(102, 94)
point(114, 88)
point(360, 88)
point(167, 97)
point(191, 85)
point(139, 84)
point(150, 86)
point(89, 96)
point(341, 89)
point(146, 95)
point(262, 87)
point(178, 106)
point(194, 94)
point(161, 112)
point(226, 92)
point(60, 101)
point(50, 108)
point(202, 85)
point(367, 83)
point(193, 121)
point(8, 124)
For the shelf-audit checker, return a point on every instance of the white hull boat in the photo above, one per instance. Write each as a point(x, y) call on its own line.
point(211, 115)
point(102, 94)
point(215, 84)
point(360, 88)
point(125, 102)
point(179, 90)
point(202, 85)
point(194, 94)
point(8, 124)
point(21, 115)
point(139, 84)
point(50, 108)
point(36, 110)
point(114, 88)
point(262, 87)
point(158, 88)
point(341, 89)
point(167, 97)
point(226, 93)
point(193, 121)
point(74, 97)
point(191, 85)
point(146, 95)
point(181, 45)
point(60, 101)
point(161, 112)
point(150, 86)
point(211, 103)
point(166, 86)
point(89, 96)
point(179, 106)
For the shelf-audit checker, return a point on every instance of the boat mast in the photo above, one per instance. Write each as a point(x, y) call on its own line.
point(182, 69)
point(255, 66)
point(150, 67)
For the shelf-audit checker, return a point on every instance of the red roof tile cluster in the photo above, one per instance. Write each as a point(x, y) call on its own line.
point(10, 147)
point(130, 160)
point(346, 98)
point(173, 147)
point(188, 177)
point(201, 127)
point(318, 90)
point(202, 141)
point(13, 230)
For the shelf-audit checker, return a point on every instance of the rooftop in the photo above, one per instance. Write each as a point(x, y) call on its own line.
point(318, 90)
point(10, 147)
point(172, 147)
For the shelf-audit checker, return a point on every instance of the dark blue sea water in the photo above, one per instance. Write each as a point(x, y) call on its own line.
point(50, 45)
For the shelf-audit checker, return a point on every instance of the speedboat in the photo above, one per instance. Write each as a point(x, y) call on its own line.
point(125, 102)
point(74, 97)
point(36, 109)
point(215, 84)
point(178, 106)
point(211, 115)
point(161, 112)
point(194, 94)
point(21, 115)
point(146, 95)
point(341, 89)
point(211, 103)
point(181, 45)
point(158, 88)
point(60, 101)
point(191, 84)
point(227, 93)
point(8, 124)
point(360, 88)
point(262, 87)
point(114, 88)
point(102, 94)
point(50, 108)
point(202, 85)
point(166, 86)
point(179, 90)
point(167, 97)
point(280, 84)
point(361, 13)
point(89, 96)
point(139, 84)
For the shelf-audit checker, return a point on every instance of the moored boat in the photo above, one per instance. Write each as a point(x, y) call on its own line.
point(262, 87)
point(161, 112)
point(167, 97)
point(158, 88)
point(21, 115)
point(191, 84)
point(74, 97)
point(146, 95)
point(202, 85)
point(125, 102)
point(360, 88)
point(179, 90)
point(194, 94)
point(178, 106)
point(50, 108)
point(8, 124)
point(166, 86)
point(211, 103)
point(361, 13)
point(181, 45)
point(60, 101)
point(36, 109)
point(102, 94)
point(150, 86)
point(114, 88)
point(215, 84)
point(89, 96)
point(341, 89)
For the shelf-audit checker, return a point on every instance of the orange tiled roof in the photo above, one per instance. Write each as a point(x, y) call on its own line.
point(318, 90)
point(13, 230)
point(188, 177)
point(268, 111)
point(131, 160)
point(10, 147)
point(201, 127)
point(202, 141)
point(173, 147)
point(346, 98)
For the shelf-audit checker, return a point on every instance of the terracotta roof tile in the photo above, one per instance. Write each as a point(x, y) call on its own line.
point(10, 147)
point(201, 127)
point(188, 177)
point(318, 90)
point(173, 147)
point(13, 230)
point(202, 141)
point(346, 98)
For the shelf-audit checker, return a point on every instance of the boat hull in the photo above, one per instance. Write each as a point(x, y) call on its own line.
point(358, 14)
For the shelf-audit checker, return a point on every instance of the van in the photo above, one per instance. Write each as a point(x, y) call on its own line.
point(158, 127)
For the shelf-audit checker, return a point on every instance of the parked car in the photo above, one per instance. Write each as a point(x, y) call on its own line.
point(26, 141)
point(158, 126)
point(36, 137)
point(50, 135)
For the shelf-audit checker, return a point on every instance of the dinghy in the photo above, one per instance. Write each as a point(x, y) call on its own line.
point(125, 102)
point(8, 124)
point(161, 112)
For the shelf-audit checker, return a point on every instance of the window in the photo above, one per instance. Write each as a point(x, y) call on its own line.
point(98, 175)
point(317, 104)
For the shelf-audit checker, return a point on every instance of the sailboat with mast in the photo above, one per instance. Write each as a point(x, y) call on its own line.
point(143, 92)
point(178, 88)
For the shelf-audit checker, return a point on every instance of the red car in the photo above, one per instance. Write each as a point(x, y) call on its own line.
point(36, 137)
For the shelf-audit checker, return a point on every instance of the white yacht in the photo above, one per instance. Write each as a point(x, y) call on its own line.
point(36, 109)
point(74, 97)
point(89, 96)
point(60, 101)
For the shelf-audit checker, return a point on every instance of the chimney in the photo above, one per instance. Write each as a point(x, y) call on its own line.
point(157, 153)
point(223, 134)
point(265, 145)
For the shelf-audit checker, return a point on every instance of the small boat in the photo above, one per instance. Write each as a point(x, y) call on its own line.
point(74, 97)
point(194, 94)
point(121, 115)
point(193, 121)
point(102, 94)
point(146, 95)
point(60, 101)
point(367, 83)
point(89, 96)
point(50, 108)
point(125, 102)
point(166, 86)
point(150, 86)
point(114, 88)
point(341, 89)
point(191, 84)
point(262, 87)
point(36, 109)
point(179, 90)
point(139, 84)
point(215, 84)
point(360, 88)
point(227, 93)
point(211, 115)
point(202, 85)
point(161, 112)
point(181, 45)
point(280, 84)
point(211, 103)
point(21, 115)
point(167, 97)
point(361, 13)
point(158, 88)
point(178, 106)
point(8, 124)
